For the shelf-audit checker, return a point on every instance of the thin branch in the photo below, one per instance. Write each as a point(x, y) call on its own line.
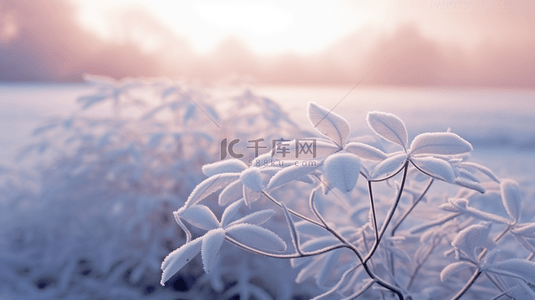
point(405, 216)
point(412, 206)
point(372, 208)
point(380, 281)
point(467, 285)
point(389, 176)
point(496, 239)
point(336, 286)
point(420, 264)
point(294, 255)
point(292, 211)
point(361, 291)
point(389, 216)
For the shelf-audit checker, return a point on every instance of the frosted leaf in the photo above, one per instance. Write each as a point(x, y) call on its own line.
point(435, 167)
point(462, 206)
point(179, 258)
point(327, 268)
point(389, 165)
point(325, 184)
point(365, 151)
point(231, 193)
point(467, 175)
point(256, 218)
point(252, 179)
point(468, 239)
point(511, 198)
point(454, 268)
point(469, 184)
point(328, 123)
point(442, 143)
point(200, 216)
point(521, 291)
point(229, 212)
point(481, 169)
point(256, 237)
point(365, 171)
point(342, 170)
point(517, 266)
point(527, 230)
point(290, 174)
point(303, 152)
point(209, 186)
point(250, 196)
point(527, 244)
point(389, 127)
point(211, 244)
point(491, 256)
point(306, 179)
point(291, 226)
point(224, 166)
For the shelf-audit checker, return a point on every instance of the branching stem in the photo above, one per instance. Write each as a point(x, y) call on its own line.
point(467, 285)
point(405, 216)
point(389, 215)
point(373, 213)
point(292, 211)
point(374, 277)
point(412, 206)
point(295, 255)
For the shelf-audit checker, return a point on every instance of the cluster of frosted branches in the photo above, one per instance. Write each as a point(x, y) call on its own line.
point(89, 220)
point(364, 231)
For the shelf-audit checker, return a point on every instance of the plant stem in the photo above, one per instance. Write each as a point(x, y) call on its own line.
point(377, 279)
point(412, 206)
point(389, 176)
point(467, 285)
point(417, 269)
point(372, 208)
point(295, 255)
point(405, 216)
point(292, 211)
point(389, 215)
point(496, 239)
point(361, 291)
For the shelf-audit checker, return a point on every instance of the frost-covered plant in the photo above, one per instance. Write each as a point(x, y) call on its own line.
point(352, 215)
point(89, 219)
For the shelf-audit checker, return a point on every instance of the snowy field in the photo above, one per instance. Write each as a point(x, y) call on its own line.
point(92, 220)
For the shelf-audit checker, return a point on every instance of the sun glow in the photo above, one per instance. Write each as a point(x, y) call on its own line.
point(265, 26)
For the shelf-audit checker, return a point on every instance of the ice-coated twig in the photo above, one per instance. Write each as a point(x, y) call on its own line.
point(292, 211)
point(389, 215)
point(467, 285)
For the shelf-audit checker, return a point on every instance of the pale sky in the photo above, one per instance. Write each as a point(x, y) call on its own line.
point(409, 42)
point(268, 27)
point(308, 26)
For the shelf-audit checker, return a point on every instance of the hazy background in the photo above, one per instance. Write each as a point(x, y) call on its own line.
point(415, 42)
